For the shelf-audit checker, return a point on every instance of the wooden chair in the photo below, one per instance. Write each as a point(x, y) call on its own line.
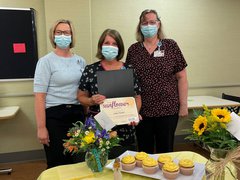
point(232, 98)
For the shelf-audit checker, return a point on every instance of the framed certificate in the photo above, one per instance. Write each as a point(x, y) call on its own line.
point(120, 110)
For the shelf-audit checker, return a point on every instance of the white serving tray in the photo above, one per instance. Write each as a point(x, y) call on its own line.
point(198, 173)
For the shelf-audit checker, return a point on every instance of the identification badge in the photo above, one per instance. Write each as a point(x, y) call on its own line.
point(159, 53)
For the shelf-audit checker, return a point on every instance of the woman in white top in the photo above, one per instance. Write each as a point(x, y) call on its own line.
point(56, 82)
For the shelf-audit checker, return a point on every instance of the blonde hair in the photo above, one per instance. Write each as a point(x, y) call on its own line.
point(139, 35)
point(53, 28)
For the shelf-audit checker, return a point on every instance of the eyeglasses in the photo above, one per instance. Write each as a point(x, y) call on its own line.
point(152, 22)
point(66, 33)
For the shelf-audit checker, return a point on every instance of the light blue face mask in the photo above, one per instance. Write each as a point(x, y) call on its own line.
point(149, 30)
point(62, 41)
point(109, 52)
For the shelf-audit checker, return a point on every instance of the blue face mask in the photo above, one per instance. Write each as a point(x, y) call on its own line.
point(149, 30)
point(109, 52)
point(62, 41)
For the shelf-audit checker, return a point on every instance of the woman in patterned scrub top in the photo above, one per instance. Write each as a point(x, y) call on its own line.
point(110, 51)
point(160, 68)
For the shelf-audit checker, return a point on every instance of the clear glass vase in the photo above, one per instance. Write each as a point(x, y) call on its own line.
point(96, 160)
point(217, 154)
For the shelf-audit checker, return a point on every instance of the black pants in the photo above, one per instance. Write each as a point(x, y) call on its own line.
point(59, 120)
point(156, 134)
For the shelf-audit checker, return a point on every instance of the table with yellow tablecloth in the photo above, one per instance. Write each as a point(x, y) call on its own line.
point(81, 171)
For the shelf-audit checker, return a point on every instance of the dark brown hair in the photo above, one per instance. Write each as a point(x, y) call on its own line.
point(117, 37)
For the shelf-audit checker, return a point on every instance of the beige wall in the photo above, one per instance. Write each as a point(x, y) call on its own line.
point(207, 31)
point(78, 11)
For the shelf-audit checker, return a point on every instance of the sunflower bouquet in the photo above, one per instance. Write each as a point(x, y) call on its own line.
point(210, 129)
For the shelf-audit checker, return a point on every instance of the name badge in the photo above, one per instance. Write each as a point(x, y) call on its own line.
point(159, 53)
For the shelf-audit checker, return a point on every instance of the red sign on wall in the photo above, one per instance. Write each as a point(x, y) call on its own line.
point(19, 48)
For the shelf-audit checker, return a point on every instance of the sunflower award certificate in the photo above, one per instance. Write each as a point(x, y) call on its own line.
point(120, 110)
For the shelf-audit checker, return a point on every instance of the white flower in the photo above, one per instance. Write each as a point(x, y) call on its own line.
point(87, 132)
point(107, 142)
point(77, 132)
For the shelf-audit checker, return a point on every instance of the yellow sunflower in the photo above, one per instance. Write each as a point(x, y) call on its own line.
point(221, 115)
point(200, 124)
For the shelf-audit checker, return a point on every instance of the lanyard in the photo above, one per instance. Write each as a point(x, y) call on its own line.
point(159, 44)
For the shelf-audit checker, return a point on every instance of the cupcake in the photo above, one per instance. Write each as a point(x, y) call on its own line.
point(128, 162)
point(186, 167)
point(162, 159)
point(139, 158)
point(170, 170)
point(149, 165)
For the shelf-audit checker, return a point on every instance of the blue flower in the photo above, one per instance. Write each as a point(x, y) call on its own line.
point(104, 134)
point(90, 123)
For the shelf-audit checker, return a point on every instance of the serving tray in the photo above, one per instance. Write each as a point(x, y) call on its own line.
point(198, 173)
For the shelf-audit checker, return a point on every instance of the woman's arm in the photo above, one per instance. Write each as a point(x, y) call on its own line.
point(138, 102)
point(40, 114)
point(183, 92)
point(85, 100)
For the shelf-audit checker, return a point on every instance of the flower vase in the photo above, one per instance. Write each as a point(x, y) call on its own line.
point(213, 171)
point(96, 160)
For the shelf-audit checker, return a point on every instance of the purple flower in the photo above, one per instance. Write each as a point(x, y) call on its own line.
point(104, 134)
point(90, 123)
point(98, 133)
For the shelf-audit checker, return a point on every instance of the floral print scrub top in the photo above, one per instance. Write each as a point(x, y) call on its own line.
point(88, 82)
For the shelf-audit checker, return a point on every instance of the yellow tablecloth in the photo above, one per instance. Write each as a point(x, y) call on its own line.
point(80, 171)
